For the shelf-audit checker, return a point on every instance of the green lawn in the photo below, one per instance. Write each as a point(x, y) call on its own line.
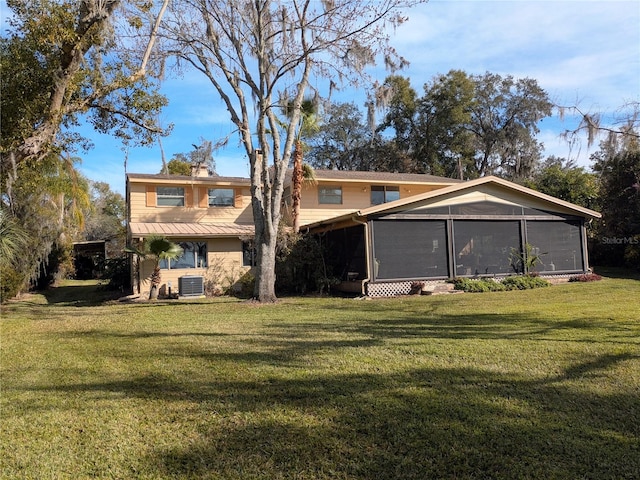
point(539, 384)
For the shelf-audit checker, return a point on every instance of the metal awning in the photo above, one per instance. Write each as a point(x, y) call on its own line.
point(208, 230)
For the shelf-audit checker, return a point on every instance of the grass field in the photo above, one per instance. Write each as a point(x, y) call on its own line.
point(539, 384)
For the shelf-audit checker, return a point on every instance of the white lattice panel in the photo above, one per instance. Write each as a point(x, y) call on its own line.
point(389, 289)
point(392, 289)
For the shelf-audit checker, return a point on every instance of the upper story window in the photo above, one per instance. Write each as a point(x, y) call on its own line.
point(330, 195)
point(170, 196)
point(383, 194)
point(221, 197)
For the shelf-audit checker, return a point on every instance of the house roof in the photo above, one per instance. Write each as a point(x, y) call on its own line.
point(454, 190)
point(320, 175)
point(382, 177)
point(159, 177)
point(209, 230)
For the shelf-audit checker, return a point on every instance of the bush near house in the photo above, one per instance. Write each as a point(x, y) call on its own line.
point(519, 282)
point(586, 277)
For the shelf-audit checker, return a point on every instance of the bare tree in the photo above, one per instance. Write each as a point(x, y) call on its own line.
point(256, 53)
point(622, 125)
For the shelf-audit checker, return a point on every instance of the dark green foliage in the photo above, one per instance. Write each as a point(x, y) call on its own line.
point(617, 241)
point(301, 266)
point(520, 282)
point(105, 219)
point(117, 272)
point(464, 126)
point(246, 284)
point(524, 282)
point(176, 166)
point(10, 283)
point(562, 179)
point(478, 285)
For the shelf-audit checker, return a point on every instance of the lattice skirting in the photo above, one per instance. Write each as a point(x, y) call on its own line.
point(392, 289)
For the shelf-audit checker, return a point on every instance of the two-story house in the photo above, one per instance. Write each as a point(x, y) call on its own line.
point(386, 230)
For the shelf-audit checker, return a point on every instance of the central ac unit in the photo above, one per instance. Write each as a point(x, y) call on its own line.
point(191, 286)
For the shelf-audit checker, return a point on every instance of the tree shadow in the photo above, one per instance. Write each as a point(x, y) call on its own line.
point(422, 423)
point(417, 423)
point(82, 295)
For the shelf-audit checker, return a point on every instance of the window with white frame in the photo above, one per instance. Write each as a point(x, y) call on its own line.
point(330, 195)
point(384, 194)
point(194, 255)
point(170, 196)
point(221, 197)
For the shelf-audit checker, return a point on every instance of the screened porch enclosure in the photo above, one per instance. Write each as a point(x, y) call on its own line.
point(422, 249)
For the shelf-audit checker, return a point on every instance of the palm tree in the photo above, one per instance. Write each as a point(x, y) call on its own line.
point(308, 126)
point(13, 239)
point(157, 247)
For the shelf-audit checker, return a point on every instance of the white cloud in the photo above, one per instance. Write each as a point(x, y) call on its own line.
point(584, 49)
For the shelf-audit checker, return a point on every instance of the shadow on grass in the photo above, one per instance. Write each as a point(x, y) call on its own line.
point(82, 294)
point(416, 423)
point(422, 423)
point(90, 294)
point(616, 272)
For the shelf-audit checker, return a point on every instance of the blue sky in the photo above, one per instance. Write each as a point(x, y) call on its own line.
point(580, 52)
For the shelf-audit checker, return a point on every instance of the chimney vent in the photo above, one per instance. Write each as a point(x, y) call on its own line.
point(199, 170)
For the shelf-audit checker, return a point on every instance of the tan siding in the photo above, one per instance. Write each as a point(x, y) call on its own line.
point(355, 196)
point(143, 207)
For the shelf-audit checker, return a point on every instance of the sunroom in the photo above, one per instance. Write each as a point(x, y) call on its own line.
point(481, 228)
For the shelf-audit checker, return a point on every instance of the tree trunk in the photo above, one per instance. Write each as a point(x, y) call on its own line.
point(266, 195)
point(296, 182)
point(155, 282)
point(265, 289)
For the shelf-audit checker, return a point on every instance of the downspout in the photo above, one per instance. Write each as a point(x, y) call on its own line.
point(367, 252)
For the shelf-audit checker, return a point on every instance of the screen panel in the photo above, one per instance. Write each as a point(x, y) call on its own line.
point(485, 247)
point(558, 244)
point(410, 249)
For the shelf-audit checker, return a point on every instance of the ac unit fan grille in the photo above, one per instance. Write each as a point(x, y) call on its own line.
point(191, 286)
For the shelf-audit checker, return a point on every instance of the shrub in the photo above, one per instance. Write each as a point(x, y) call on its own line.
point(585, 277)
point(10, 283)
point(477, 285)
point(247, 284)
point(222, 278)
point(116, 270)
point(524, 282)
point(301, 265)
point(520, 282)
